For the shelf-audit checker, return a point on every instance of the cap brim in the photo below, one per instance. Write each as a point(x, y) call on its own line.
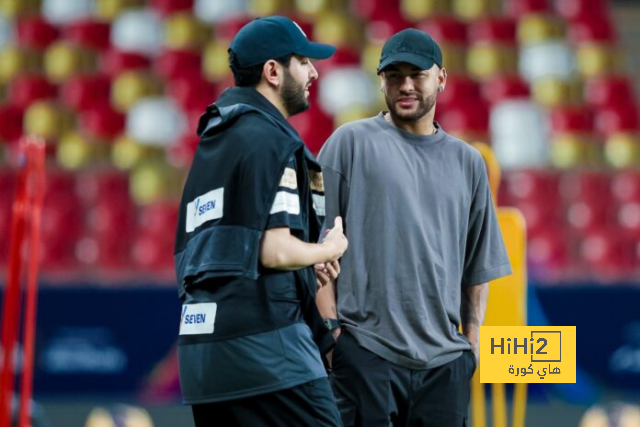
point(316, 50)
point(410, 58)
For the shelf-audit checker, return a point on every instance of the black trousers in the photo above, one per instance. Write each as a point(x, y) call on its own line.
point(371, 391)
point(309, 404)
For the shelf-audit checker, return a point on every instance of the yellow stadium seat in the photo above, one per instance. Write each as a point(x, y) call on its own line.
point(506, 305)
point(126, 153)
point(354, 113)
point(15, 61)
point(215, 61)
point(416, 10)
point(597, 59)
point(62, 60)
point(269, 7)
point(183, 30)
point(569, 151)
point(470, 10)
point(312, 8)
point(536, 27)
point(48, 120)
point(622, 150)
point(371, 57)
point(74, 151)
point(109, 9)
point(553, 91)
point(154, 181)
point(14, 8)
point(454, 58)
point(338, 29)
point(486, 60)
point(131, 86)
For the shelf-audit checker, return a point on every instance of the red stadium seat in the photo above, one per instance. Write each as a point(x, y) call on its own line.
point(372, 10)
point(589, 186)
point(10, 123)
point(628, 219)
point(465, 118)
point(605, 91)
point(225, 30)
point(608, 255)
point(571, 119)
point(192, 93)
point(625, 186)
point(540, 216)
point(459, 88)
point(589, 216)
point(445, 29)
point(617, 117)
point(176, 63)
point(381, 29)
point(169, 7)
point(314, 127)
point(494, 30)
point(111, 217)
point(28, 88)
point(153, 253)
point(90, 33)
point(549, 255)
point(180, 154)
point(95, 187)
point(575, 9)
point(505, 87)
point(62, 224)
point(343, 57)
point(592, 29)
point(532, 185)
point(86, 90)
point(106, 254)
point(519, 8)
point(7, 188)
point(35, 32)
point(114, 62)
point(101, 122)
point(157, 218)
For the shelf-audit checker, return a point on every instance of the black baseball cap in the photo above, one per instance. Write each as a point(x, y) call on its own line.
point(413, 47)
point(273, 37)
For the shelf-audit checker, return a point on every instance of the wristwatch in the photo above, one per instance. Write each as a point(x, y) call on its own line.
point(332, 324)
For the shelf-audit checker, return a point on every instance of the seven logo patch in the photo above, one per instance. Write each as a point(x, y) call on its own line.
point(198, 318)
point(205, 208)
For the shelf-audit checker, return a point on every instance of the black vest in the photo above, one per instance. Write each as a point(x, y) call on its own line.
point(245, 146)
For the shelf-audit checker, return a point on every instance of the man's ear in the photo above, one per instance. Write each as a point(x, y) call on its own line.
point(442, 79)
point(272, 73)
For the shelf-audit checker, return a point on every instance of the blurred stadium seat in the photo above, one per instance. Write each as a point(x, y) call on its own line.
point(117, 87)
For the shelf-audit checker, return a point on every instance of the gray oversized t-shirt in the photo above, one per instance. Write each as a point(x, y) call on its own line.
point(421, 226)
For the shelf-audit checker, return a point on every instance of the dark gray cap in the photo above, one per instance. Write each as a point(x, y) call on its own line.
point(413, 47)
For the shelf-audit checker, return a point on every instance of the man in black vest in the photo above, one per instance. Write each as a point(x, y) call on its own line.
point(251, 337)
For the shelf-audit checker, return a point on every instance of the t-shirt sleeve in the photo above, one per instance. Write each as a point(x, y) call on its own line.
point(485, 256)
point(285, 209)
point(335, 170)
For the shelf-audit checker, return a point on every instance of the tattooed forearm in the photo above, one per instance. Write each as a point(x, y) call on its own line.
point(472, 310)
point(326, 301)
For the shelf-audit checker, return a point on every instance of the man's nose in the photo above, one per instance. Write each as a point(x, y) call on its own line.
point(406, 85)
point(313, 73)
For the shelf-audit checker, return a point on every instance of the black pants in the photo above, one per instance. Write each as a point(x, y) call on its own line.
point(371, 391)
point(309, 404)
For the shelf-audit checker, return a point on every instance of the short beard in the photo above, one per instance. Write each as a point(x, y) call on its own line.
point(424, 107)
point(293, 95)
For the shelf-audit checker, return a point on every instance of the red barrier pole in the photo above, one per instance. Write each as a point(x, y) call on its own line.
point(12, 303)
point(35, 195)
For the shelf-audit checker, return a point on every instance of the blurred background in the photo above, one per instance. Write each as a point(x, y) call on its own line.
point(116, 87)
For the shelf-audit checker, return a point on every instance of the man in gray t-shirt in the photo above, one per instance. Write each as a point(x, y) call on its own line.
point(424, 243)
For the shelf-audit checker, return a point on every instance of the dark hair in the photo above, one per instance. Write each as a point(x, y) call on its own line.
point(250, 76)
